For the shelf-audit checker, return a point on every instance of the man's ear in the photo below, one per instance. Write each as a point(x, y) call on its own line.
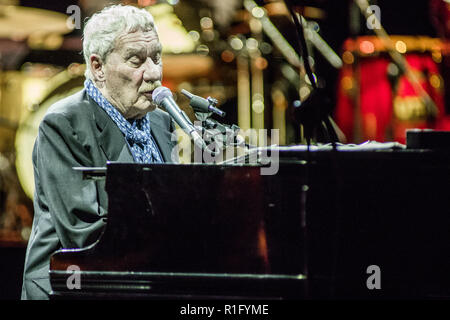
point(97, 68)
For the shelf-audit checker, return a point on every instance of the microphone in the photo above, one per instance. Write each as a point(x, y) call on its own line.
point(200, 104)
point(163, 97)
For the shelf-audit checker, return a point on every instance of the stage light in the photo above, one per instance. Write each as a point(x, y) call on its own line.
point(400, 46)
point(348, 57)
point(258, 106)
point(258, 12)
point(255, 25)
point(435, 81)
point(252, 44)
point(236, 43)
point(366, 47)
point(227, 56)
point(194, 35)
point(206, 23)
point(261, 63)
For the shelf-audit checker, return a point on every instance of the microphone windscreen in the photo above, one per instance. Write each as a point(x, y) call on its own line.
point(160, 93)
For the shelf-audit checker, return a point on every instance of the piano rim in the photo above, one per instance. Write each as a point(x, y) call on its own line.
point(100, 284)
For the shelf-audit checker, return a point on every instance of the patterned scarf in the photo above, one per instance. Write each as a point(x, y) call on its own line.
point(137, 133)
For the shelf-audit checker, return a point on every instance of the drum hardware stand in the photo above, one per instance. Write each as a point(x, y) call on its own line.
point(320, 44)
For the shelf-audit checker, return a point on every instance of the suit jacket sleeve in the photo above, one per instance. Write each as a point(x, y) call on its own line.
point(71, 201)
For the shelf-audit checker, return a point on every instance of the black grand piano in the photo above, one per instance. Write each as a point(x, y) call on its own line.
point(312, 230)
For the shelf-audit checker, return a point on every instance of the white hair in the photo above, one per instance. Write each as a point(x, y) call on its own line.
point(103, 28)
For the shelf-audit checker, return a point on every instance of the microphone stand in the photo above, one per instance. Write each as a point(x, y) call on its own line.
point(312, 114)
point(220, 136)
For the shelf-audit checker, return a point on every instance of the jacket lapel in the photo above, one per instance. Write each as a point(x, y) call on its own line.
point(161, 134)
point(110, 138)
point(113, 143)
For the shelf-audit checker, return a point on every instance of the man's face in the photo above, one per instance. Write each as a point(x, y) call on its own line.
point(131, 72)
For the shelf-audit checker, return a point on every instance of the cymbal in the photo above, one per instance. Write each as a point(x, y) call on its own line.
point(19, 23)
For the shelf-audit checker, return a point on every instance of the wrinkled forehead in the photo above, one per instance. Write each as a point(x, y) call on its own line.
point(137, 41)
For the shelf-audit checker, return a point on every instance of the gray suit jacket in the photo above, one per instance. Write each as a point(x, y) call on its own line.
point(71, 212)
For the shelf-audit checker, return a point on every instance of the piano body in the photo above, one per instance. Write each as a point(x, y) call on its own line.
point(310, 231)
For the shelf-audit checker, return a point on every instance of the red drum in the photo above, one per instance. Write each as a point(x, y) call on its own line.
point(375, 101)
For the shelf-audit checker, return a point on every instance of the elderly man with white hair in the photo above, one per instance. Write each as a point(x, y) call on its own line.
point(112, 119)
